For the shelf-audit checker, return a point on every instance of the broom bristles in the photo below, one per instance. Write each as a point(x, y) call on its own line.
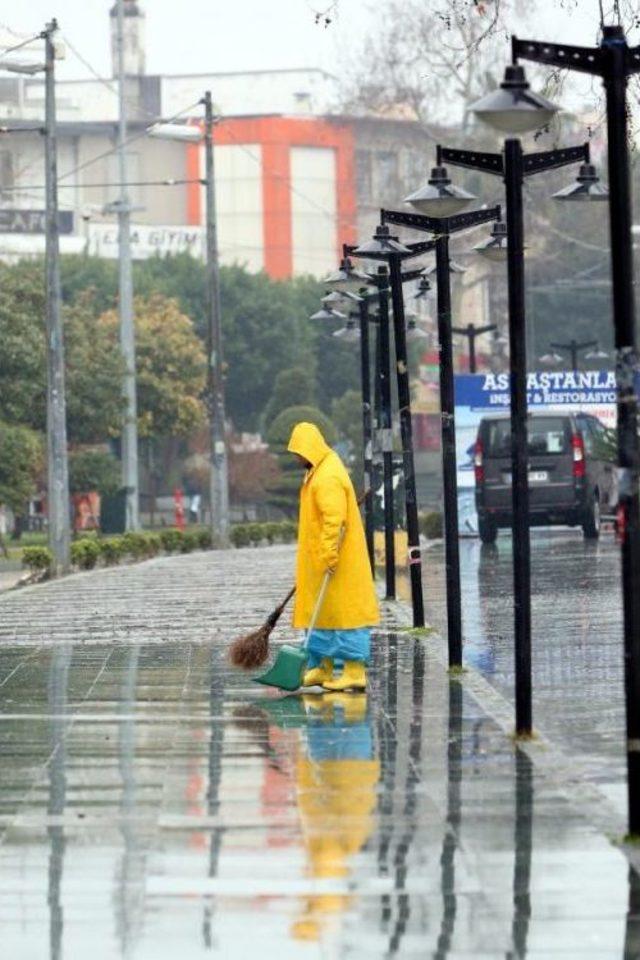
point(251, 650)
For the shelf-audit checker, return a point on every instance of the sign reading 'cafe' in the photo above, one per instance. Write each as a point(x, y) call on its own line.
point(32, 221)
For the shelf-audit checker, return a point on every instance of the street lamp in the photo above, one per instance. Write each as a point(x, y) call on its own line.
point(614, 61)
point(443, 227)
point(388, 249)
point(587, 186)
point(347, 278)
point(573, 348)
point(219, 473)
point(551, 359)
point(471, 332)
point(439, 197)
point(597, 354)
point(514, 108)
point(495, 246)
point(57, 457)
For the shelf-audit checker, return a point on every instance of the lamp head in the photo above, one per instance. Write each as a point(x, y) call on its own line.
point(382, 243)
point(349, 333)
point(439, 197)
point(328, 313)
point(495, 246)
point(347, 277)
point(513, 108)
point(586, 188)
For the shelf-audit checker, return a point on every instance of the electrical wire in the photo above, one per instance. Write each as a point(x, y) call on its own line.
point(18, 46)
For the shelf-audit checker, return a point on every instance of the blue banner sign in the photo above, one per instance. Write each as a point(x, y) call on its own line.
point(490, 391)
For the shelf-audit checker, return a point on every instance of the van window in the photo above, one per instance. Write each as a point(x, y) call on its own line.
point(547, 436)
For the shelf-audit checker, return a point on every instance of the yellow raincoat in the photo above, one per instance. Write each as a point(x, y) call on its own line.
point(327, 502)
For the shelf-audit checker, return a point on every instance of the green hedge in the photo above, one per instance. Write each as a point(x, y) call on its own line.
point(253, 534)
point(37, 559)
point(89, 550)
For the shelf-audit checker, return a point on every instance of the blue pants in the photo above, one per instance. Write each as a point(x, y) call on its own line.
point(339, 645)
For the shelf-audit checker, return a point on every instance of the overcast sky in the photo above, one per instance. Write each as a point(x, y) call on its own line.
point(217, 35)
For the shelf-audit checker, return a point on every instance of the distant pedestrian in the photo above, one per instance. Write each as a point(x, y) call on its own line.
point(331, 538)
point(194, 508)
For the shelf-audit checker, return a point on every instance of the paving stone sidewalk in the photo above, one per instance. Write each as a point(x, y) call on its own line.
point(154, 803)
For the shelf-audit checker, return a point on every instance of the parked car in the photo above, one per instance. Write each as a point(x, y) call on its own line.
point(572, 478)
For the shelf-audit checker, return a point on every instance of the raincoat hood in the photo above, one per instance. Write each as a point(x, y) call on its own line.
point(307, 441)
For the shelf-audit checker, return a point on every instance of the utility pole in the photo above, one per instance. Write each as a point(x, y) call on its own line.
point(57, 463)
point(127, 330)
point(219, 474)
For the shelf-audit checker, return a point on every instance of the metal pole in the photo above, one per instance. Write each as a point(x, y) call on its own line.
point(449, 464)
point(57, 463)
point(127, 329)
point(365, 375)
point(386, 436)
point(406, 431)
point(615, 50)
point(219, 475)
point(472, 348)
point(513, 162)
point(574, 355)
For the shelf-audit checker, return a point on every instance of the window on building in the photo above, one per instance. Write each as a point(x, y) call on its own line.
point(386, 173)
point(363, 175)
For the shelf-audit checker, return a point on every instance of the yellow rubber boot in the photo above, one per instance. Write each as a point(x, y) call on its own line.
point(318, 676)
point(354, 677)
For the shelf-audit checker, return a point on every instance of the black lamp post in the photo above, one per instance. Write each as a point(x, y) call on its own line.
point(614, 61)
point(514, 108)
point(471, 332)
point(444, 227)
point(573, 348)
point(387, 248)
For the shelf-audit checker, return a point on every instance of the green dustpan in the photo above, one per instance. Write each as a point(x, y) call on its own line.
point(286, 672)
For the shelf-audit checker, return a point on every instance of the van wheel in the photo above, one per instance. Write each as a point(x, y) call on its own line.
point(591, 522)
point(487, 529)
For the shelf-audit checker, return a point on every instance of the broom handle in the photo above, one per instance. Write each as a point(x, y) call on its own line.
point(278, 611)
point(323, 589)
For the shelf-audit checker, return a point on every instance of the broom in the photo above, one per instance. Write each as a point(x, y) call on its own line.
point(252, 649)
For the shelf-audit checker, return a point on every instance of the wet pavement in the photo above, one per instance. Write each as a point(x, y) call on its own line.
point(578, 694)
point(154, 803)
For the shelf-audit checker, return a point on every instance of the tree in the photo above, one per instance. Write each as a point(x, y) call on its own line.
point(283, 493)
point(346, 413)
point(252, 473)
point(21, 464)
point(171, 365)
point(293, 387)
point(93, 470)
point(93, 363)
point(424, 57)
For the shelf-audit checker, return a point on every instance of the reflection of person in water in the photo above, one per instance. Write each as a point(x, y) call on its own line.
point(336, 785)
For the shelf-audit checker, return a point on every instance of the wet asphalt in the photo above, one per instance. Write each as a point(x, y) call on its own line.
point(156, 804)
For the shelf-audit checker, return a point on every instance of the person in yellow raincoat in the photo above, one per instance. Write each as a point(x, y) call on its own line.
point(331, 538)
